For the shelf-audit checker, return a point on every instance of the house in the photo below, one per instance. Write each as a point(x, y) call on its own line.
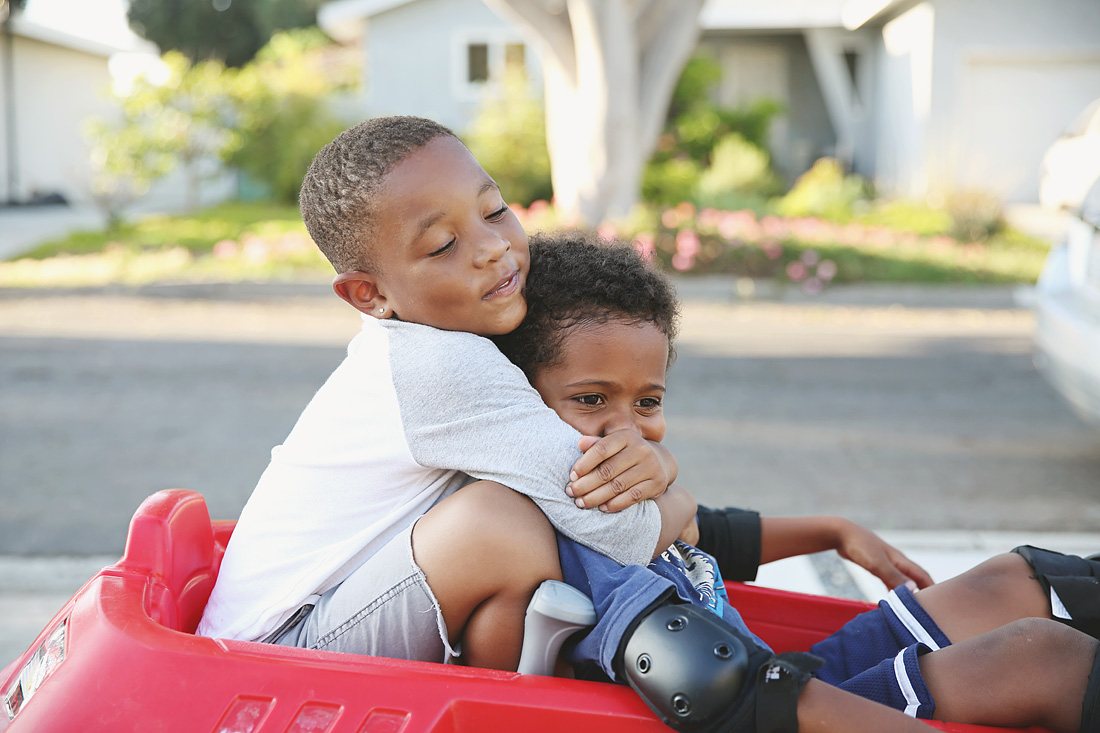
point(431, 58)
point(924, 97)
point(58, 73)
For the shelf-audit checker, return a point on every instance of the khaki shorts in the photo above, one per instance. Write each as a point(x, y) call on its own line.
point(385, 609)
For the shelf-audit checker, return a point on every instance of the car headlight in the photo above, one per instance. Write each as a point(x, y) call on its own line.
point(45, 660)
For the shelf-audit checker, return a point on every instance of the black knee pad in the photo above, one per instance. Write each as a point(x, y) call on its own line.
point(1075, 580)
point(701, 675)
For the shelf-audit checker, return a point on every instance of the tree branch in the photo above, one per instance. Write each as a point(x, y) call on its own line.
point(542, 25)
point(677, 24)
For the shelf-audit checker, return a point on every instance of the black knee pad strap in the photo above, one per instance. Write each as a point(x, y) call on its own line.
point(1075, 580)
point(781, 681)
point(701, 675)
point(1090, 706)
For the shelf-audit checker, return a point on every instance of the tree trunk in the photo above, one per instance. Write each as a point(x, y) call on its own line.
point(609, 67)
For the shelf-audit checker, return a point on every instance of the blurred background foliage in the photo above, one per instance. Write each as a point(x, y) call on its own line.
point(712, 201)
point(230, 31)
point(508, 137)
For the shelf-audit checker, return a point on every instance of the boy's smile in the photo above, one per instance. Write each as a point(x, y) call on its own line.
point(610, 376)
point(450, 253)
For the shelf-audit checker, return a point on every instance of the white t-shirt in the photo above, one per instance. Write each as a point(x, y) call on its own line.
point(406, 419)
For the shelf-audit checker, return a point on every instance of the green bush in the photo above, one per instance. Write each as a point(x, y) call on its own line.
point(508, 138)
point(278, 152)
point(708, 154)
point(282, 101)
point(738, 171)
point(670, 181)
point(824, 191)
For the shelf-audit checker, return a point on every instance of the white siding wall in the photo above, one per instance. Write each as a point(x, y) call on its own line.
point(416, 59)
point(57, 90)
point(1006, 79)
point(902, 102)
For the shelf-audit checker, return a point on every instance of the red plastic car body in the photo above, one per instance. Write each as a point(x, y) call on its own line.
point(125, 659)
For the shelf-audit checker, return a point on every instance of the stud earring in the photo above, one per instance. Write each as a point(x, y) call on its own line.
point(382, 309)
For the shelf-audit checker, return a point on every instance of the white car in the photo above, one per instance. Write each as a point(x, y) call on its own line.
point(1072, 163)
point(1067, 310)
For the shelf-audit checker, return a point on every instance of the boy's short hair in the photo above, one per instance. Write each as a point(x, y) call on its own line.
point(577, 280)
point(340, 189)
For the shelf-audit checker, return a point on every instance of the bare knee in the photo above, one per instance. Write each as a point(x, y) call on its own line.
point(1000, 571)
point(1040, 667)
point(1044, 640)
point(1008, 579)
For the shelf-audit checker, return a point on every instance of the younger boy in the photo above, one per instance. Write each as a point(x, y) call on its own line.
point(357, 537)
point(596, 343)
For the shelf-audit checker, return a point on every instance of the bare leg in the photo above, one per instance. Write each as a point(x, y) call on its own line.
point(826, 709)
point(484, 551)
point(992, 594)
point(1029, 672)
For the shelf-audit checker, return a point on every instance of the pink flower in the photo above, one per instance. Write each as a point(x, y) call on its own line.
point(608, 232)
point(682, 262)
point(796, 271)
point(709, 219)
point(813, 286)
point(670, 218)
point(225, 249)
point(810, 257)
point(826, 270)
point(774, 227)
point(773, 250)
point(687, 243)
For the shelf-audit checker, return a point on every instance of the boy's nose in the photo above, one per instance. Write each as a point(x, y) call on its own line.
point(620, 420)
point(490, 249)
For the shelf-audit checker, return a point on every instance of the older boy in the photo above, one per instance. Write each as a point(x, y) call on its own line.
point(357, 537)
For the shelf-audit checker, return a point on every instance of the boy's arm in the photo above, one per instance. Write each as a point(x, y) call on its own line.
point(677, 507)
point(783, 537)
point(465, 407)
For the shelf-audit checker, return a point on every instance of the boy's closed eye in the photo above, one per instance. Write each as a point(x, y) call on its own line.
point(493, 216)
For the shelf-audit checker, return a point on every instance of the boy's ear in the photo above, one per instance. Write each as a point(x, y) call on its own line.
point(360, 290)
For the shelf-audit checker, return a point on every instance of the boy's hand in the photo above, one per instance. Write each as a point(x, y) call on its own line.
point(880, 558)
point(619, 470)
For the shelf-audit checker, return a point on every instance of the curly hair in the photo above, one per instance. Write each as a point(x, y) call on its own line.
point(577, 280)
point(341, 187)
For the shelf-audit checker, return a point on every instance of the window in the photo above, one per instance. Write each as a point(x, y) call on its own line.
point(481, 58)
point(515, 56)
point(477, 63)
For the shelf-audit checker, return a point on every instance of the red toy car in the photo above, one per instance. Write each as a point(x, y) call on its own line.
point(121, 656)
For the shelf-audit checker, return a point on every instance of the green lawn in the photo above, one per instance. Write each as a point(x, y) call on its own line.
point(197, 232)
point(229, 242)
point(262, 241)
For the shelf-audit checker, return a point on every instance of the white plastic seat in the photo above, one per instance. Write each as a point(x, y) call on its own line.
point(556, 612)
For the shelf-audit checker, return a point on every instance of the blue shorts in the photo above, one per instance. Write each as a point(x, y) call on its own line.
point(875, 654)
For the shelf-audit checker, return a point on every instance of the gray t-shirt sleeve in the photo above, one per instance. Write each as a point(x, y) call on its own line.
point(464, 406)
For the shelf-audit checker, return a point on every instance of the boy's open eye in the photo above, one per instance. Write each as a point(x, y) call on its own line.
point(589, 400)
point(650, 403)
point(442, 250)
point(498, 214)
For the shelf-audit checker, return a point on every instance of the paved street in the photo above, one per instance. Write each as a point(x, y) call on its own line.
point(908, 410)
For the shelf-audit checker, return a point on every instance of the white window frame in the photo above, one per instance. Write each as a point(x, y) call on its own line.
point(496, 39)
